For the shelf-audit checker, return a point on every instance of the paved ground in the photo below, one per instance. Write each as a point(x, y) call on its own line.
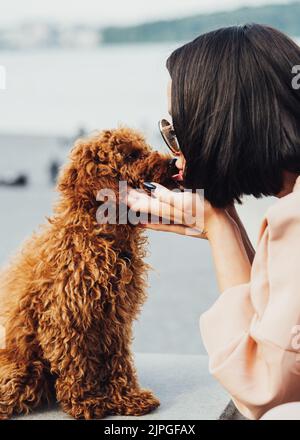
point(181, 382)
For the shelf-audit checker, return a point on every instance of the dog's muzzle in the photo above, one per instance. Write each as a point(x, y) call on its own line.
point(172, 169)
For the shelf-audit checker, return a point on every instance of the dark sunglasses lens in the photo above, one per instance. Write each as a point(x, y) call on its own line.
point(168, 134)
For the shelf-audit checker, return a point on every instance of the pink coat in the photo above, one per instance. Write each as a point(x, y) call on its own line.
point(252, 331)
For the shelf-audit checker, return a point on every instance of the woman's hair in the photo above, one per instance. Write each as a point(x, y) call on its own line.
point(236, 111)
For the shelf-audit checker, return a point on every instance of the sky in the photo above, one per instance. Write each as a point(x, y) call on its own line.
point(107, 12)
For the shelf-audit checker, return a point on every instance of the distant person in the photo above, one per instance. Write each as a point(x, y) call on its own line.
point(81, 132)
point(53, 170)
point(235, 106)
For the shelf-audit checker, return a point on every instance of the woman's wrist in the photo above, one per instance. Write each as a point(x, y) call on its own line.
point(215, 220)
point(229, 253)
point(220, 217)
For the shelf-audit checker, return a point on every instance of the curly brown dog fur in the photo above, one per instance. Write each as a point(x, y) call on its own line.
point(72, 293)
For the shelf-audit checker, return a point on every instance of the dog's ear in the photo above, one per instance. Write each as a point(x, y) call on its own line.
point(90, 167)
point(67, 179)
point(127, 141)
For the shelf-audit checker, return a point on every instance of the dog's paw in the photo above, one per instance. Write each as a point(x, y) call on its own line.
point(136, 403)
point(5, 415)
point(93, 408)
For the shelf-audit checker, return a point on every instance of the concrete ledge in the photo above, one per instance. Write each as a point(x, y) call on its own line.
point(182, 383)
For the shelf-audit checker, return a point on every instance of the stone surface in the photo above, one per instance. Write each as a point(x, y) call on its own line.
point(231, 413)
point(182, 383)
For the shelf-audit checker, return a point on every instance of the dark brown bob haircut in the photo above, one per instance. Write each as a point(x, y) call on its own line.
point(236, 111)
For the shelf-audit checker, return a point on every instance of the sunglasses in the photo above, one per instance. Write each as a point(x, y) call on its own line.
point(168, 134)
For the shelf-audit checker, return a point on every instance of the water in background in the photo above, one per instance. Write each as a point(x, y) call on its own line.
point(54, 92)
point(49, 97)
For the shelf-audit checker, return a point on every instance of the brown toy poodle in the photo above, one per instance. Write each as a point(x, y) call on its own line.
point(70, 296)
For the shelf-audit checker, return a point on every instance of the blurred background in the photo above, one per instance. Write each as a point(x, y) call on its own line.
point(69, 68)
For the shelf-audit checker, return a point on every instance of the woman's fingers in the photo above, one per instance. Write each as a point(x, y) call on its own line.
point(162, 193)
point(164, 216)
point(189, 203)
point(173, 198)
point(140, 201)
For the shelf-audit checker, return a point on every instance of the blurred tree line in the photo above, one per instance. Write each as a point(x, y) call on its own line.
point(283, 17)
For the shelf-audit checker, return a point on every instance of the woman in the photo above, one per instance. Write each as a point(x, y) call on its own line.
point(235, 106)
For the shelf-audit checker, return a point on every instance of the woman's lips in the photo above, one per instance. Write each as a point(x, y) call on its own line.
point(178, 177)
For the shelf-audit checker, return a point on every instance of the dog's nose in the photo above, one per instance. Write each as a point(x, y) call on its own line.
point(172, 169)
point(172, 162)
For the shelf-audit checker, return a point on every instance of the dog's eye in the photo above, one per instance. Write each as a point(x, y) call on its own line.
point(133, 156)
point(126, 256)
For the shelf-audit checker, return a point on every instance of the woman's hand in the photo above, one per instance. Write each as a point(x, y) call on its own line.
point(190, 214)
point(184, 213)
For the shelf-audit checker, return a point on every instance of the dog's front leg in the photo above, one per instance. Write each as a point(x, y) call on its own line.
point(124, 394)
point(71, 346)
point(75, 360)
point(96, 379)
point(77, 397)
point(130, 399)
